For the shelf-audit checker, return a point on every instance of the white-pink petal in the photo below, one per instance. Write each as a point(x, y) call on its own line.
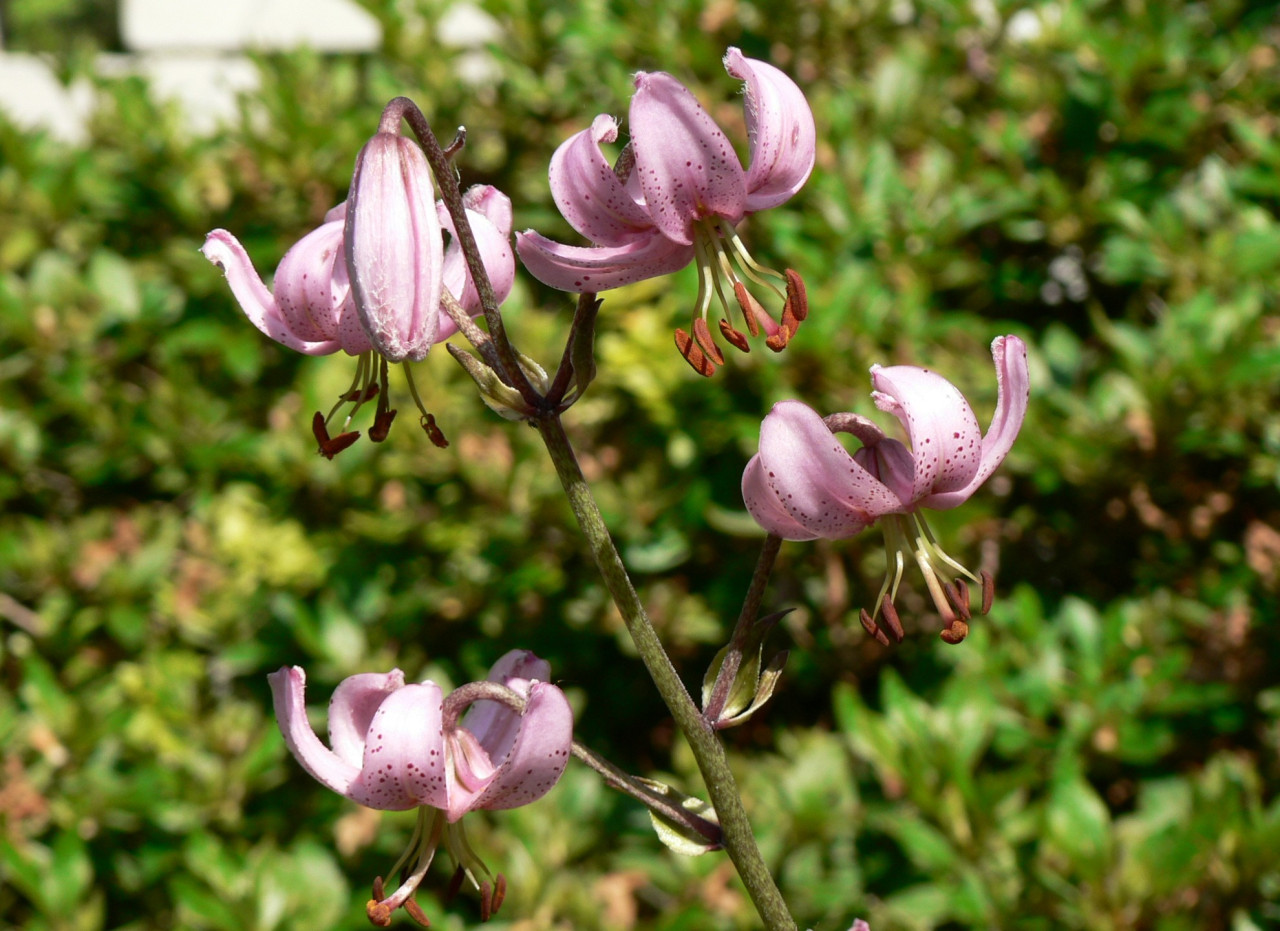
point(352, 707)
point(686, 165)
point(404, 758)
point(1013, 392)
point(780, 131)
point(288, 691)
point(587, 191)
point(763, 505)
point(538, 757)
point(946, 441)
point(599, 268)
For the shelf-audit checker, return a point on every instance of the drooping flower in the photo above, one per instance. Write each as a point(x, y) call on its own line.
point(391, 308)
point(676, 196)
point(803, 484)
point(395, 747)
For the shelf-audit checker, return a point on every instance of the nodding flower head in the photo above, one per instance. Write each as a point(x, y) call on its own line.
point(395, 746)
point(803, 484)
point(676, 196)
point(372, 280)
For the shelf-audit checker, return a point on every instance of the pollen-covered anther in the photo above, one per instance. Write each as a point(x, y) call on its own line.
point(379, 914)
point(736, 338)
point(778, 341)
point(751, 308)
point(360, 395)
point(958, 598)
point(330, 446)
point(455, 884)
point(381, 426)
point(434, 433)
point(988, 590)
point(499, 892)
point(414, 911)
point(869, 624)
point(891, 618)
point(694, 355)
point(956, 632)
point(486, 905)
point(797, 297)
point(702, 333)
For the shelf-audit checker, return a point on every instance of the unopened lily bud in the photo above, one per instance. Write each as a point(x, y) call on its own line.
point(394, 247)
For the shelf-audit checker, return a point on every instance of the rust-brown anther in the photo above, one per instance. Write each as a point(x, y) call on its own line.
point(360, 395)
point(869, 624)
point(988, 590)
point(331, 446)
point(958, 598)
point(499, 892)
point(797, 298)
point(381, 426)
point(891, 618)
point(778, 341)
point(414, 910)
point(486, 907)
point(694, 355)
point(956, 632)
point(736, 338)
point(751, 308)
point(379, 914)
point(455, 884)
point(702, 333)
point(434, 433)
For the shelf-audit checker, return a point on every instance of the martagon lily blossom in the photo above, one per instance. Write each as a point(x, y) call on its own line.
point(373, 279)
point(395, 747)
point(803, 484)
point(676, 196)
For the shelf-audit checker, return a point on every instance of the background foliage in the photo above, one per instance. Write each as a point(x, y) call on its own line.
point(1102, 178)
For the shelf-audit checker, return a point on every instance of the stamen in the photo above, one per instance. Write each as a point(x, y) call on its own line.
point(797, 297)
point(736, 338)
point(330, 447)
point(694, 355)
point(379, 914)
point(891, 618)
point(751, 308)
point(455, 883)
point(959, 605)
point(988, 590)
point(869, 625)
point(485, 910)
point(702, 333)
point(499, 892)
point(434, 433)
point(956, 632)
point(415, 912)
point(382, 419)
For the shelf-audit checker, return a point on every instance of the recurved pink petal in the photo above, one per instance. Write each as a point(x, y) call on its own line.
point(763, 505)
point(813, 476)
point(599, 268)
point(307, 292)
point(288, 691)
point(946, 441)
point(352, 707)
point(588, 192)
point(496, 206)
point(538, 757)
point(394, 247)
point(499, 263)
point(686, 166)
point(1013, 391)
point(493, 723)
point(225, 251)
point(404, 759)
point(780, 131)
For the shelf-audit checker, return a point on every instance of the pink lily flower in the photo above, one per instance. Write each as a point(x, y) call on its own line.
point(395, 747)
point(401, 262)
point(803, 484)
point(676, 197)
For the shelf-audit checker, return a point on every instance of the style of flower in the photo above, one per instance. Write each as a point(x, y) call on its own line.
point(373, 278)
point(395, 747)
point(676, 196)
point(803, 484)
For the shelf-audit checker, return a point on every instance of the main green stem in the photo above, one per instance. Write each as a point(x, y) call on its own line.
point(739, 842)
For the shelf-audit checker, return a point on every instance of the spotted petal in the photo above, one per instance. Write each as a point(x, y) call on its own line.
point(588, 192)
point(404, 760)
point(599, 268)
point(1013, 391)
point(780, 131)
point(352, 707)
point(814, 478)
point(687, 168)
point(288, 690)
point(538, 757)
